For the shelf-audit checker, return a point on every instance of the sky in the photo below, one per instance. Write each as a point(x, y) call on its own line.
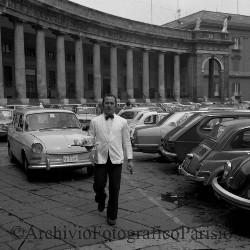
point(163, 11)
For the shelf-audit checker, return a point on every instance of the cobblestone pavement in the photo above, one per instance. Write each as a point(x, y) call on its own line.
point(158, 209)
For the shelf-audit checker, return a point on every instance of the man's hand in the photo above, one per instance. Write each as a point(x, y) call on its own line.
point(130, 166)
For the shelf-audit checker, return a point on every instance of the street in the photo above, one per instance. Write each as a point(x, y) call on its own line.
point(158, 209)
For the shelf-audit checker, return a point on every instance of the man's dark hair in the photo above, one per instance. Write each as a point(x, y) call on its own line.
point(109, 95)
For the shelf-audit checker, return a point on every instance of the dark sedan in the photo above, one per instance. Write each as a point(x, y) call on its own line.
point(176, 145)
point(227, 141)
point(233, 185)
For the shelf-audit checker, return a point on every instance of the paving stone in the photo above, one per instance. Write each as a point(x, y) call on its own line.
point(136, 205)
point(64, 212)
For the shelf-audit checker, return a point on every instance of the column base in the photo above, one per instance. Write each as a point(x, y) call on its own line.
point(99, 100)
point(147, 100)
point(83, 101)
point(163, 99)
point(3, 101)
point(44, 100)
point(24, 101)
point(132, 100)
point(64, 101)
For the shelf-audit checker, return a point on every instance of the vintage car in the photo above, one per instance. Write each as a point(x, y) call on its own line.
point(227, 141)
point(145, 118)
point(85, 115)
point(175, 146)
point(147, 139)
point(129, 114)
point(232, 184)
point(6, 116)
point(47, 139)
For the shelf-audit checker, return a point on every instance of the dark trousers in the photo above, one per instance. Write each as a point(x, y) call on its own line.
point(113, 172)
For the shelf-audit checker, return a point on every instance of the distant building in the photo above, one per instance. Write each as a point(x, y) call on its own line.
point(58, 51)
point(238, 28)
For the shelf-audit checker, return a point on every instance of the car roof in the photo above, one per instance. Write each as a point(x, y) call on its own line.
point(42, 110)
point(237, 123)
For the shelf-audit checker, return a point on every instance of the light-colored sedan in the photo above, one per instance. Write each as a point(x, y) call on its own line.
point(145, 118)
point(147, 139)
point(5, 121)
point(47, 139)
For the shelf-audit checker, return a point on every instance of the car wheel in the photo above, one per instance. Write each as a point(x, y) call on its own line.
point(90, 170)
point(28, 171)
point(10, 154)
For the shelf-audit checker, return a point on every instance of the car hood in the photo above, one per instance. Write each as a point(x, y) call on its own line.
point(60, 140)
point(7, 121)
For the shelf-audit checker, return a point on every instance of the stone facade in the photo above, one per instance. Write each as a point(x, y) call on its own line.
point(58, 51)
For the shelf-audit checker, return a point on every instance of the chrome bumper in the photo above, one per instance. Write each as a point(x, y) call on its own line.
point(182, 171)
point(50, 165)
point(233, 199)
point(166, 153)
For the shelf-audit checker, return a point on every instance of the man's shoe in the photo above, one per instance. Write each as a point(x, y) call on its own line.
point(111, 222)
point(101, 206)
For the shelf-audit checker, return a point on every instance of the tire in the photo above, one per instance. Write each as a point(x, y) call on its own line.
point(28, 172)
point(90, 170)
point(10, 154)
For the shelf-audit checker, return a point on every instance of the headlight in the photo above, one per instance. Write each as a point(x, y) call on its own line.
point(227, 168)
point(37, 148)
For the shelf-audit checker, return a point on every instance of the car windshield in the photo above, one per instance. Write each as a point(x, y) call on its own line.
point(51, 120)
point(5, 115)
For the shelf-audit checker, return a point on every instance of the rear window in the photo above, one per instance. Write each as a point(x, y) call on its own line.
point(128, 114)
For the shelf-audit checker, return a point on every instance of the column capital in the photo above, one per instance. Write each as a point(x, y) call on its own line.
point(38, 27)
point(59, 33)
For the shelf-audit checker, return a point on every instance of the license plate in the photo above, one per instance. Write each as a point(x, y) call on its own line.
point(70, 158)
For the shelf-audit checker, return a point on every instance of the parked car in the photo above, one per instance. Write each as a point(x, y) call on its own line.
point(145, 118)
point(47, 139)
point(85, 115)
point(6, 116)
point(184, 140)
point(129, 114)
point(233, 185)
point(227, 141)
point(148, 138)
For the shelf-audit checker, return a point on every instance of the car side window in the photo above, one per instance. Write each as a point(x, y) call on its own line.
point(150, 119)
point(208, 126)
point(241, 140)
point(20, 122)
point(16, 120)
point(128, 115)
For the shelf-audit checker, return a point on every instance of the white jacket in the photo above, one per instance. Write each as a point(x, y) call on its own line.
point(116, 142)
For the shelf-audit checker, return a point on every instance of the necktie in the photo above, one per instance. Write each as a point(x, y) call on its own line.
point(109, 116)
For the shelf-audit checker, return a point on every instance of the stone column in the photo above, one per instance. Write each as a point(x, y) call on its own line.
point(177, 77)
point(41, 66)
point(130, 76)
point(113, 71)
point(97, 72)
point(145, 79)
point(79, 70)
point(19, 56)
point(226, 78)
point(3, 101)
point(161, 77)
point(221, 88)
point(211, 87)
point(60, 67)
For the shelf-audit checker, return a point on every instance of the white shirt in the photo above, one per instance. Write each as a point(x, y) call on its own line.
point(111, 137)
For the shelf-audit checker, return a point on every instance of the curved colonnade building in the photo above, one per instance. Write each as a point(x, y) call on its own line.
point(56, 51)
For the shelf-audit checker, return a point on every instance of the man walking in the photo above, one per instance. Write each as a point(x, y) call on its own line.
point(112, 141)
